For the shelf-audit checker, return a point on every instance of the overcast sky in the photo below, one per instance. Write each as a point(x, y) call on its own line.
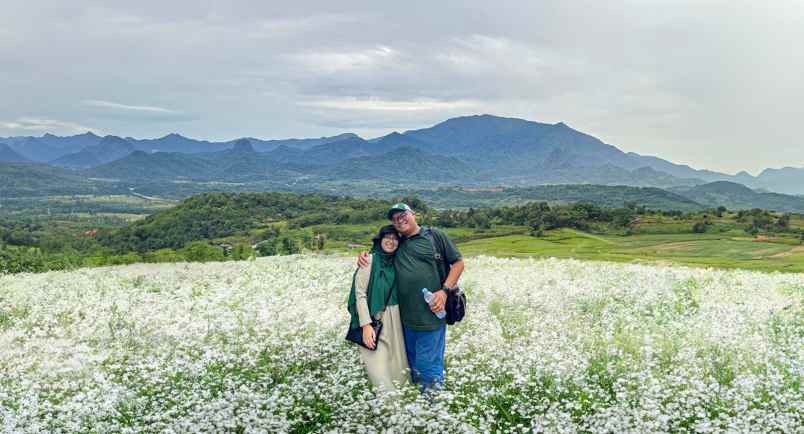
point(713, 84)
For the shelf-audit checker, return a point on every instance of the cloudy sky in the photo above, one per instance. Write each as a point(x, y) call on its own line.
point(713, 84)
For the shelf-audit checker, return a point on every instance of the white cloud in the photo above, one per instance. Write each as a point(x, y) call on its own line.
point(23, 125)
point(374, 104)
point(340, 61)
point(655, 77)
point(292, 26)
point(137, 108)
point(115, 110)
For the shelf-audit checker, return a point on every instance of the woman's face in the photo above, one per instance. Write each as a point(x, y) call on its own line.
point(389, 243)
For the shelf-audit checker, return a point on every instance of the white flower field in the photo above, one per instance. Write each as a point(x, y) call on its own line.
point(257, 346)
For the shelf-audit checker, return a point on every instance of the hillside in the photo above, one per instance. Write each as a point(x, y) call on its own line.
point(110, 148)
point(36, 179)
point(407, 164)
point(270, 145)
point(50, 147)
point(737, 196)
point(8, 155)
point(607, 196)
point(789, 180)
point(140, 165)
point(215, 215)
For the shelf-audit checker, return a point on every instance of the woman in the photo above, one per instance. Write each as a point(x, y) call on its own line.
point(387, 363)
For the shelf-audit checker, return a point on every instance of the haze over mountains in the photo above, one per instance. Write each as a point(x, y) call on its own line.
point(471, 150)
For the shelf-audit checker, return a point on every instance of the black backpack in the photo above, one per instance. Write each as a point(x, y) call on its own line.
point(456, 299)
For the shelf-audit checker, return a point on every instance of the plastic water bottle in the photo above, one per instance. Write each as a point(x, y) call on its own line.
point(428, 297)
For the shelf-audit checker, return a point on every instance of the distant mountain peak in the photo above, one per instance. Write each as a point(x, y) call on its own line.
point(724, 186)
point(342, 136)
point(173, 136)
point(243, 145)
point(107, 140)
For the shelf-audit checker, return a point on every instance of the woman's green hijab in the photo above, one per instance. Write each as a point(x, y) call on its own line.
point(382, 280)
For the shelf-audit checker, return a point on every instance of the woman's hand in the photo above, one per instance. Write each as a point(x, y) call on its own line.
point(362, 259)
point(368, 336)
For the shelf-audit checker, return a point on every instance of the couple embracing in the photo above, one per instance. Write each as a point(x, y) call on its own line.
point(388, 287)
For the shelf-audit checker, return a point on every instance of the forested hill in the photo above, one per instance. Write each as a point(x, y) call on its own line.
point(217, 215)
point(262, 216)
point(610, 196)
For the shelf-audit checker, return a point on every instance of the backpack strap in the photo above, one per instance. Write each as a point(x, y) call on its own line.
point(439, 255)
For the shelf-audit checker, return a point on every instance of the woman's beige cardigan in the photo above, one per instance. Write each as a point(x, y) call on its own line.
point(388, 364)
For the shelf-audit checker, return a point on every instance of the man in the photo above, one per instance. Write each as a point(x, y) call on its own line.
point(424, 332)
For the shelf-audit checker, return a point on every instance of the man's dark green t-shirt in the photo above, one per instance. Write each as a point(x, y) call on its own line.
point(414, 271)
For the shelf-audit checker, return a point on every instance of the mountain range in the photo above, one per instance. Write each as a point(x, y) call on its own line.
point(470, 150)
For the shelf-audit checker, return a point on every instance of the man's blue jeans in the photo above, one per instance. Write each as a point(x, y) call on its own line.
point(425, 351)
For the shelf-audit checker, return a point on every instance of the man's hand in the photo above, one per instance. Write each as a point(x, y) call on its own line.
point(439, 301)
point(362, 259)
point(368, 335)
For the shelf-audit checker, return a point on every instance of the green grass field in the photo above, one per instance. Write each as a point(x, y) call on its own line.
point(654, 244)
point(728, 250)
point(655, 239)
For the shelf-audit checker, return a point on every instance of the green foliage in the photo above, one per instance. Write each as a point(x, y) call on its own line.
point(320, 241)
point(163, 255)
point(291, 246)
point(241, 252)
point(217, 215)
point(22, 260)
point(224, 226)
point(268, 247)
point(783, 222)
point(201, 251)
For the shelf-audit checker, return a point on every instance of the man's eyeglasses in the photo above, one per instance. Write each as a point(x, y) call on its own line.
point(399, 217)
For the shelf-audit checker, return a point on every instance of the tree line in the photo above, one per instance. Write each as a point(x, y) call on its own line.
point(237, 226)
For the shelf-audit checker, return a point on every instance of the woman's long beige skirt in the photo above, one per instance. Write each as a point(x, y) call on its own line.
point(387, 366)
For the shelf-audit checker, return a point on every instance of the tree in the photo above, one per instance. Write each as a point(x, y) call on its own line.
point(307, 240)
point(163, 255)
point(783, 222)
point(481, 221)
point(242, 252)
point(268, 248)
point(21, 260)
point(200, 251)
point(290, 246)
point(622, 217)
point(320, 241)
point(699, 227)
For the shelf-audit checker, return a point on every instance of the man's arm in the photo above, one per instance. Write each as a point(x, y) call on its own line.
point(451, 281)
point(454, 274)
point(454, 258)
